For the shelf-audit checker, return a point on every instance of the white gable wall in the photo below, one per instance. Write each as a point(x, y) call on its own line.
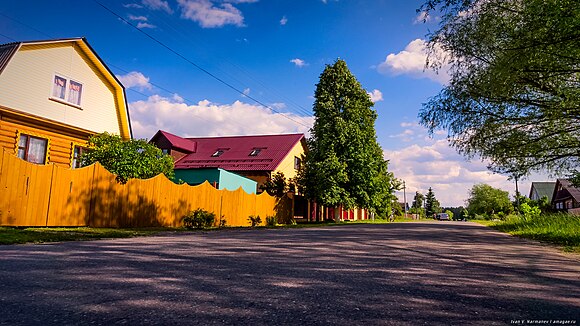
point(26, 85)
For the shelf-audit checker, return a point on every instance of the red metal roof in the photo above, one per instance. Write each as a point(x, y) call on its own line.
point(236, 152)
point(162, 137)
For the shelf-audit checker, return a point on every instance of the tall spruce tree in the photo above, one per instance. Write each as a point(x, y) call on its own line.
point(432, 205)
point(345, 164)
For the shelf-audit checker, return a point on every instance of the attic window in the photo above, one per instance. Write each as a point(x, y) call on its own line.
point(219, 152)
point(255, 151)
point(66, 90)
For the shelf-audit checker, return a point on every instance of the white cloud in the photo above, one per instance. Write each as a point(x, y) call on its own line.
point(422, 17)
point(283, 21)
point(299, 62)
point(209, 16)
point(145, 25)
point(246, 91)
point(376, 95)
point(135, 79)
point(437, 165)
point(209, 119)
point(138, 18)
point(157, 5)
point(133, 5)
point(411, 61)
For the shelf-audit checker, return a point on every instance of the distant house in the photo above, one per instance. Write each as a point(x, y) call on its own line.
point(219, 178)
point(254, 157)
point(566, 197)
point(54, 94)
point(542, 189)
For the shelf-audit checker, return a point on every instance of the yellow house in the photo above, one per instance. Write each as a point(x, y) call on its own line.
point(54, 94)
point(254, 157)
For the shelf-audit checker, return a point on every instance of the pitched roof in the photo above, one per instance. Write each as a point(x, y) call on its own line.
point(8, 50)
point(239, 153)
point(568, 190)
point(542, 189)
point(173, 141)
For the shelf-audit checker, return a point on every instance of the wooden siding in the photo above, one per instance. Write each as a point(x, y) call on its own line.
point(48, 195)
point(60, 146)
point(26, 85)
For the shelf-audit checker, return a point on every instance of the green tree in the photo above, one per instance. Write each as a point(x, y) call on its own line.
point(345, 164)
point(277, 186)
point(135, 158)
point(514, 91)
point(432, 205)
point(486, 200)
point(418, 200)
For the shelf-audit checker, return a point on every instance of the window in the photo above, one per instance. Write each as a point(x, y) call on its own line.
point(297, 162)
point(166, 151)
point(78, 151)
point(32, 149)
point(59, 87)
point(255, 151)
point(74, 92)
point(218, 152)
point(67, 90)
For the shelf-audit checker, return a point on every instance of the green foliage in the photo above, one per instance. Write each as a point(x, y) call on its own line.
point(345, 164)
point(450, 213)
point(199, 219)
point(560, 229)
point(432, 205)
point(484, 200)
point(222, 222)
point(277, 185)
point(529, 212)
point(418, 201)
point(254, 220)
point(127, 159)
point(271, 221)
point(514, 93)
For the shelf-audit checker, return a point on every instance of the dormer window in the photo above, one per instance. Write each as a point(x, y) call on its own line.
point(255, 151)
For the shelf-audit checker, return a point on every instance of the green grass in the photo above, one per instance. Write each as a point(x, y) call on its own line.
point(40, 235)
point(559, 229)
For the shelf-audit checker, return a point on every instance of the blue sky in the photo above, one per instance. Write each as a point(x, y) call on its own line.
point(273, 52)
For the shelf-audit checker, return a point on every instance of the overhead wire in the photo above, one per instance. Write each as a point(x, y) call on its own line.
point(185, 99)
point(207, 72)
point(298, 108)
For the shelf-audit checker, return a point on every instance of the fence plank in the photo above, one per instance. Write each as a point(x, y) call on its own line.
point(49, 195)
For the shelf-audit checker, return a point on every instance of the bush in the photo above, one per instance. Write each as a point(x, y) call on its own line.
point(271, 221)
point(198, 219)
point(255, 220)
point(530, 212)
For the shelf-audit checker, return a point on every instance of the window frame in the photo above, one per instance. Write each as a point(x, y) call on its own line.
point(26, 147)
point(297, 162)
point(74, 160)
point(67, 91)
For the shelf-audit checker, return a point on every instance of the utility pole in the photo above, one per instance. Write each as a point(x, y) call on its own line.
point(405, 198)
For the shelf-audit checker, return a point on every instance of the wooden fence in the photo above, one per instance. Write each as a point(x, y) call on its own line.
point(48, 195)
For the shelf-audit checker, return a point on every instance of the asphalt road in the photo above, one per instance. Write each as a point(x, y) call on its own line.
point(443, 273)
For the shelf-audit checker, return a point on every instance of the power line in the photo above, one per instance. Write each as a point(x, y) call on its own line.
point(196, 65)
point(126, 71)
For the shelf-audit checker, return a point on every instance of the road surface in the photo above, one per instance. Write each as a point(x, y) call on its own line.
point(440, 273)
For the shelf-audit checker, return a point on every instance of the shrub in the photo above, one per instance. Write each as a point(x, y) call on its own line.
point(254, 220)
point(198, 219)
point(530, 212)
point(222, 221)
point(271, 221)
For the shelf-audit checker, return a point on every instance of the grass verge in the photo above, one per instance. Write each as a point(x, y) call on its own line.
point(559, 229)
point(40, 235)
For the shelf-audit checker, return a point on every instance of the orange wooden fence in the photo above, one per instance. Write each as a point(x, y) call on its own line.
point(48, 195)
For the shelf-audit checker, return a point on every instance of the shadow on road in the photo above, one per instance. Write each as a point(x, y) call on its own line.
point(400, 274)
